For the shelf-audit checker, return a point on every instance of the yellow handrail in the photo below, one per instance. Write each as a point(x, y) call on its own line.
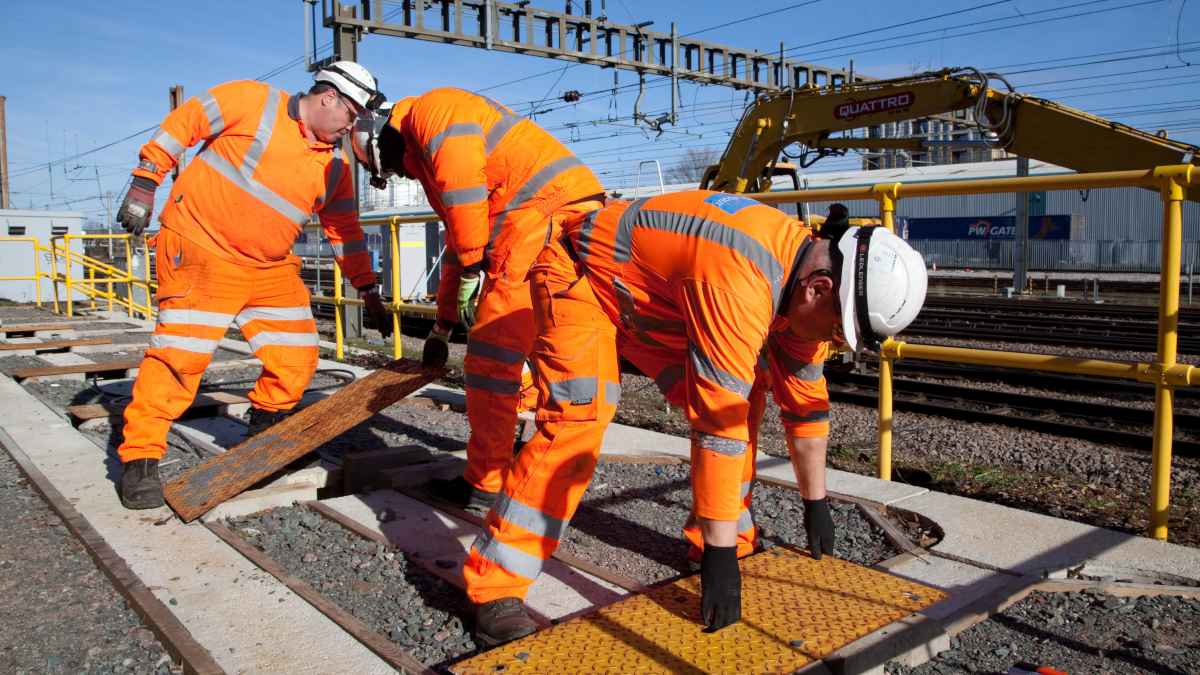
point(1165, 373)
point(91, 266)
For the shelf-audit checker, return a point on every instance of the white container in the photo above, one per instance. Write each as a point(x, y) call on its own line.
point(17, 257)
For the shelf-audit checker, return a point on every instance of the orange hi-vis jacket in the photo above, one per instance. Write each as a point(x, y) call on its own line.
point(489, 173)
point(256, 182)
point(702, 273)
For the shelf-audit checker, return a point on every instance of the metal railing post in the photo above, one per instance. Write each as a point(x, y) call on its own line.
point(92, 281)
point(37, 272)
point(1173, 182)
point(337, 307)
point(397, 347)
point(887, 196)
point(146, 261)
point(129, 276)
point(67, 274)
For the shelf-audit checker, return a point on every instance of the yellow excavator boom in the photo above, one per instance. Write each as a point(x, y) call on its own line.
point(1021, 124)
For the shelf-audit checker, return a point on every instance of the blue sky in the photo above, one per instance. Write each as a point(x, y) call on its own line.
point(85, 74)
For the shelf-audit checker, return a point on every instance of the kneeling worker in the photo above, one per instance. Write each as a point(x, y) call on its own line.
point(502, 186)
point(688, 287)
point(268, 164)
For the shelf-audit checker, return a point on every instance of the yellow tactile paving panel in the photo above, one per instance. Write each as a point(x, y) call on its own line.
point(794, 610)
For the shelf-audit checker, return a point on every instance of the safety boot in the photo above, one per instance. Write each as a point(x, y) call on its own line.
point(458, 492)
point(141, 488)
point(501, 621)
point(261, 420)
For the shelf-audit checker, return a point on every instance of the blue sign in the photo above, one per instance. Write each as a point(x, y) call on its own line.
point(1041, 228)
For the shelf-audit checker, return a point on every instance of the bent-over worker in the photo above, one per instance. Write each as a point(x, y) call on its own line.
point(689, 287)
point(269, 162)
point(502, 186)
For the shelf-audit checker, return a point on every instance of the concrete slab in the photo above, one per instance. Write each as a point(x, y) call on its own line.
point(561, 592)
point(221, 432)
point(63, 359)
point(419, 474)
point(244, 624)
point(910, 641)
point(622, 440)
point(109, 349)
point(849, 484)
point(965, 583)
point(253, 501)
point(999, 536)
point(325, 475)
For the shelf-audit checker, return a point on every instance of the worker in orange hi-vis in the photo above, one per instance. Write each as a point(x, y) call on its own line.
point(502, 186)
point(692, 288)
point(269, 163)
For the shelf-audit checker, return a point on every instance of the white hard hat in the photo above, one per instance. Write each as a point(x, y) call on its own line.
point(882, 286)
point(366, 143)
point(354, 82)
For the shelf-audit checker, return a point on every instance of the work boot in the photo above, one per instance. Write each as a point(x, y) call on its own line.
point(458, 492)
point(261, 420)
point(141, 488)
point(501, 621)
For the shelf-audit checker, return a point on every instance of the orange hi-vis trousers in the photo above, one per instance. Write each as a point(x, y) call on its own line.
point(199, 297)
point(498, 345)
point(575, 356)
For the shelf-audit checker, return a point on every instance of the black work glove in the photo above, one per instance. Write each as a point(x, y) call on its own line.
point(437, 349)
point(818, 523)
point(380, 320)
point(720, 587)
point(134, 214)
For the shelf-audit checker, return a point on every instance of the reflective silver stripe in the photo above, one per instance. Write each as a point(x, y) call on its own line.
point(670, 376)
point(492, 384)
point(623, 242)
point(745, 520)
point(719, 444)
point(529, 518)
point(494, 352)
point(256, 189)
point(349, 247)
point(797, 368)
point(187, 344)
point(195, 317)
point(763, 364)
point(498, 107)
point(540, 180)
point(266, 125)
point(497, 133)
point(511, 559)
point(583, 241)
point(814, 416)
point(169, 143)
point(457, 129)
point(265, 339)
point(710, 230)
point(708, 370)
point(612, 393)
point(574, 389)
point(464, 196)
point(346, 205)
point(216, 123)
point(273, 314)
point(747, 487)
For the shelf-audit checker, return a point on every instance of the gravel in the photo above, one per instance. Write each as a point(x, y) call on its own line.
point(1084, 633)
point(631, 521)
point(10, 363)
point(419, 612)
point(58, 613)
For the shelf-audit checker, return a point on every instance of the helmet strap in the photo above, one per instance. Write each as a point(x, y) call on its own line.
point(872, 340)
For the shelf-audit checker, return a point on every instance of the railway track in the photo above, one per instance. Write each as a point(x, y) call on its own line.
point(989, 284)
point(1073, 331)
point(1056, 308)
point(1061, 417)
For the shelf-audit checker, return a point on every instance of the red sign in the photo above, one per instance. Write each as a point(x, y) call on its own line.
point(852, 109)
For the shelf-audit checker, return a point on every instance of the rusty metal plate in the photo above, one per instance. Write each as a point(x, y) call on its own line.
point(795, 610)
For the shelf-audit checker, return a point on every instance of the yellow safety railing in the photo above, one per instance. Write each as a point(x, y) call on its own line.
point(37, 275)
point(101, 273)
point(1172, 183)
point(395, 308)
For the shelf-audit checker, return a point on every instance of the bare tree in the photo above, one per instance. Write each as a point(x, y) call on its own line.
point(690, 168)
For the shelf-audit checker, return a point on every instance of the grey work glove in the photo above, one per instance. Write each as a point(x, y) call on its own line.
point(818, 523)
point(134, 214)
point(380, 319)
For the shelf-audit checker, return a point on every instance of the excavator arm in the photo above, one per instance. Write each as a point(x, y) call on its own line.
point(1021, 124)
